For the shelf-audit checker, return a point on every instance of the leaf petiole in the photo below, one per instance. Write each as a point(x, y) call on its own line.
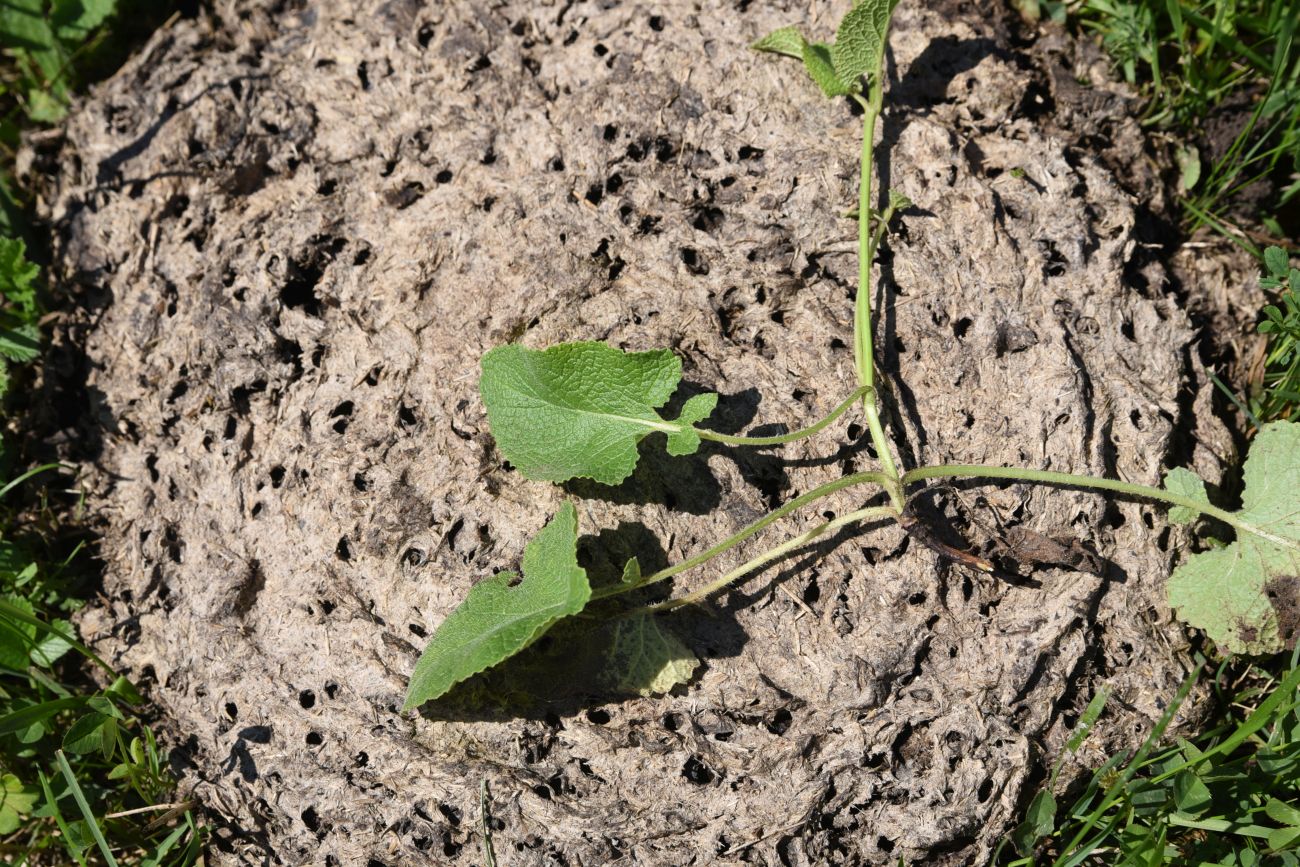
point(870, 513)
point(1050, 477)
point(866, 478)
point(863, 349)
point(802, 433)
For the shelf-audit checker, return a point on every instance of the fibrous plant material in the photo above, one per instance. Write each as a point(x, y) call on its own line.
point(301, 483)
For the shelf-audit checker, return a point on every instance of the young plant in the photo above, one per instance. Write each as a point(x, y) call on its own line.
point(20, 338)
point(581, 409)
point(1276, 391)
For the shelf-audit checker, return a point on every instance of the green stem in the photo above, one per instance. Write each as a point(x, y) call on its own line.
point(790, 437)
point(868, 514)
point(1050, 477)
point(863, 348)
point(867, 478)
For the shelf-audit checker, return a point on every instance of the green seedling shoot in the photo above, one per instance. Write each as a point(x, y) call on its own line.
point(580, 410)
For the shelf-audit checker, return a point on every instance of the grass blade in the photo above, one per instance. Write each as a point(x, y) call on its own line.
point(84, 806)
point(58, 818)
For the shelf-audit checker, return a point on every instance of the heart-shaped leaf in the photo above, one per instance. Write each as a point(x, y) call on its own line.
point(16, 801)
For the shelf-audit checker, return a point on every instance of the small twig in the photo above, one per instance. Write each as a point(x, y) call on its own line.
point(179, 805)
point(485, 816)
point(796, 600)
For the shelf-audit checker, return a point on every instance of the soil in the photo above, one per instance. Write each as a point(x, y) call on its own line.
point(294, 229)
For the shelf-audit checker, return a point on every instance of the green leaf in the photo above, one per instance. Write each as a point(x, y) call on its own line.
point(16, 638)
point(20, 344)
point(580, 409)
point(860, 40)
point(1091, 714)
point(501, 616)
point(817, 60)
point(787, 40)
point(73, 20)
point(686, 441)
point(16, 800)
point(1191, 795)
point(898, 201)
point(31, 734)
point(1275, 259)
point(103, 704)
point(23, 26)
point(87, 734)
point(123, 690)
point(632, 571)
point(1283, 838)
point(1246, 595)
point(18, 277)
point(47, 106)
point(647, 659)
point(1189, 166)
point(1191, 751)
point(1040, 820)
point(1188, 484)
point(25, 717)
point(50, 647)
point(1281, 811)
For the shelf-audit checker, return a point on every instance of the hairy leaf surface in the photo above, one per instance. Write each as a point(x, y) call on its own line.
point(1246, 595)
point(16, 801)
point(22, 343)
point(580, 409)
point(1187, 483)
point(860, 40)
point(502, 615)
point(686, 441)
point(817, 60)
point(785, 40)
point(646, 658)
point(898, 201)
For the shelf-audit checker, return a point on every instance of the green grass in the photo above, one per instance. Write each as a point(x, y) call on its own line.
point(1227, 65)
point(83, 776)
point(82, 779)
point(1231, 794)
point(1276, 393)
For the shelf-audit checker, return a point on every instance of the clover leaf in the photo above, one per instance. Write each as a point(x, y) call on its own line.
point(580, 409)
point(16, 801)
point(503, 615)
point(1246, 595)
